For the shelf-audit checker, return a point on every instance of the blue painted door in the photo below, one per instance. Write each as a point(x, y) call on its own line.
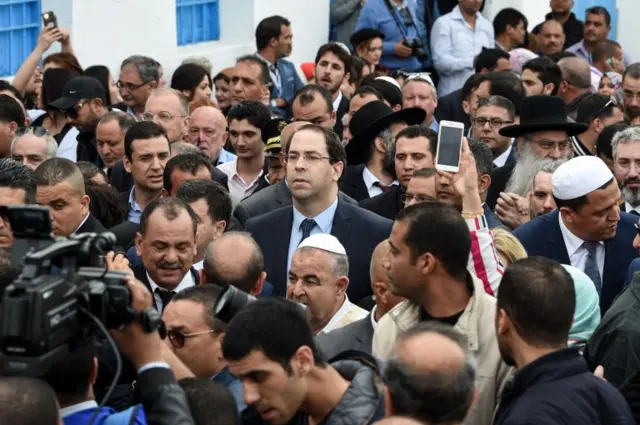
point(610, 5)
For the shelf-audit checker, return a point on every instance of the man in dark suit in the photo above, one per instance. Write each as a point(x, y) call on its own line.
point(60, 187)
point(588, 232)
point(315, 163)
point(167, 244)
point(415, 149)
point(370, 150)
point(358, 336)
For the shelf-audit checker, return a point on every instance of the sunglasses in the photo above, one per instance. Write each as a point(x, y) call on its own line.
point(36, 131)
point(178, 338)
point(611, 103)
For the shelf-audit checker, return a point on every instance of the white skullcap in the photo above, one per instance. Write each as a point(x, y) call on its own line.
point(344, 47)
point(390, 80)
point(324, 242)
point(579, 177)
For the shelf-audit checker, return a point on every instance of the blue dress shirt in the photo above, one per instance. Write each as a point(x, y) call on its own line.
point(234, 385)
point(581, 51)
point(324, 223)
point(225, 156)
point(454, 45)
point(135, 212)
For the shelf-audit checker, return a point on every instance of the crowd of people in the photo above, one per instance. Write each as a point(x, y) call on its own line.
point(387, 291)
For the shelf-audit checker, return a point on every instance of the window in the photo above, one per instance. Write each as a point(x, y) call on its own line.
point(19, 29)
point(197, 21)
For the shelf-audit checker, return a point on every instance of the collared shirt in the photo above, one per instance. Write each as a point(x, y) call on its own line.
point(503, 157)
point(628, 208)
point(199, 265)
point(370, 181)
point(580, 50)
point(238, 188)
point(374, 324)
point(187, 282)
point(131, 112)
point(81, 223)
point(225, 156)
point(336, 103)
point(135, 211)
point(342, 311)
point(577, 252)
point(79, 407)
point(596, 76)
point(455, 45)
point(324, 224)
point(274, 73)
point(435, 126)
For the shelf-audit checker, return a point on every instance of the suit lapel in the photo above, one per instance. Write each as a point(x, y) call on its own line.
point(283, 195)
point(556, 241)
point(341, 228)
point(281, 250)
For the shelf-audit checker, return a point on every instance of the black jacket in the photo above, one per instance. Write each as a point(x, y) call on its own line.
point(141, 274)
point(164, 401)
point(450, 109)
point(573, 29)
point(559, 389)
point(343, 108)
point(353, 184)
point(91, 225)
point(125, 234)
point(388, 204)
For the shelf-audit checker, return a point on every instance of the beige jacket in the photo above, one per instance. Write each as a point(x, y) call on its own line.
point(477, 325)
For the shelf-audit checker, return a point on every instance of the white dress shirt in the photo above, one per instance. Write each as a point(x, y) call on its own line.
point(628, 208)
point(81, 223)
point(336, 103)
point(502, 159)
point(374, 324)
point(577, 252)
point(199, 265)
point(238, 188)
point(370, 181)
point(187, 282)
point(348, 313)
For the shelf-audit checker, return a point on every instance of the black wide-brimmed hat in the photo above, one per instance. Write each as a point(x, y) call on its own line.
point(543, 113)
point(365, 34)
point(370, 120)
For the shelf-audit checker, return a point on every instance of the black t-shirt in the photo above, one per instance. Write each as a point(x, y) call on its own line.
point(451, 320)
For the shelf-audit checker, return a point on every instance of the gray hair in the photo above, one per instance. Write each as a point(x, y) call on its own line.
point(340, 263)
point(576, 71)
point(546, 165)
point(527, 166)
point(148, 68)
point(201, 61)
point(182, 99)
point(125, 121)
point(52, 145)
point(431, 395)
point(628, 135)
point(178, 148)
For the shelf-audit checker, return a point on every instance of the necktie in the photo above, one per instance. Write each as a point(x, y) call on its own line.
point(165, 296)
point(306, 227)
point(591, 265)
point(384, 187)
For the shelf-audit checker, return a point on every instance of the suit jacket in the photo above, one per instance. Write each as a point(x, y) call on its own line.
point(125, 233)
point(91, 225)
point(353, 184)
point(634, 267)
point(492, 218)
point(450, 109)
point(269, 199)
point(358, 230)
point(291, 83)
point(388, 204)
point(140, 273)
point(499, 179)
point(343, 108)
point(543, 237)
point(356, 336)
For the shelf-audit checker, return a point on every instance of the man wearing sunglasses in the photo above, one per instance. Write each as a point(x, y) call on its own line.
point(597, 111)
point(195, 336)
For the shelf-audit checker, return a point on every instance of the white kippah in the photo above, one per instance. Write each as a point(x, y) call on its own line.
point(344, 47)
point(390, 81)
point(324, 242)
point(579, 177)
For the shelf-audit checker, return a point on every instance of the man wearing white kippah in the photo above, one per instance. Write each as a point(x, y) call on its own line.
point(318, 278)
point(588, 231)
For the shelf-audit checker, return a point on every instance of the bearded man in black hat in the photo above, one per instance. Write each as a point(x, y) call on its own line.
point(543, 132)
point(370, 152)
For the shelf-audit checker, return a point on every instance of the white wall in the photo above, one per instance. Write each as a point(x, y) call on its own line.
point(628, 12)
point(107, 31)
point(534, 10)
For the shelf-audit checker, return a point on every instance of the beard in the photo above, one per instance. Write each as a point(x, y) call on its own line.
point(389, 163)
point(631, 196)
point(505, 353)
point(527, 166)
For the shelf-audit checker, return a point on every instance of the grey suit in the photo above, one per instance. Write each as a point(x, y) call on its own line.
point(356, 336)
point(344, 15)
point(269, 199)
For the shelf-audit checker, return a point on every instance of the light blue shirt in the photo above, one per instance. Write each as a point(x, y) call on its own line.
point(135, 212)
point(324, 223)
point(454, 45)
point(225, 156)
point(434, 125)
point(580, 50)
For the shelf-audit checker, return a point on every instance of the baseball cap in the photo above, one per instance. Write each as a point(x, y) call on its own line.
point(80, 88)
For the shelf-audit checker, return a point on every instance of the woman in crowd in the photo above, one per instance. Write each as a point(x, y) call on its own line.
point(367, 43)
point(102, 74)
point(508, 246)
point(193, 81)
point(587, 314)
point(222, 82)
point(611, 85)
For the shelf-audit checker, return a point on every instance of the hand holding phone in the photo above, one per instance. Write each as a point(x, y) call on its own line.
point(49, 20)
point(449, 146)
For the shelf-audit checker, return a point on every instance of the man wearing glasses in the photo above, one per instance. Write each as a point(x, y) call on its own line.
point(170, 110)
point(195, 336)
point(597, 111)
point(139, 76)
point(494, 113)
point(631, 94)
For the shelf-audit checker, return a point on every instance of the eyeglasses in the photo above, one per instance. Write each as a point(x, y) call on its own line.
point(550, 145)
point(407, 197)
point(629, 95)
point(162, 116)
point(493, 122)
point(129, 86)
point(311, 158)
point(36, 131)
point(177, 338)
point(400, 73)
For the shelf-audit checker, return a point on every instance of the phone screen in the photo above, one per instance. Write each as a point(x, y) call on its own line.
point(450, 139)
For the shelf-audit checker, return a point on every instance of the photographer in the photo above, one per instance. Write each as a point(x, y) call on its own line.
point(269, 344)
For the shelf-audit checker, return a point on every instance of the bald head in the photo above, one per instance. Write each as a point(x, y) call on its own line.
point(210, 114)
point(287, 132)
point(552, 25)
point(208, 130)
point(576, 71)
point(431, 375)
point(243, 269)
point(377, 271)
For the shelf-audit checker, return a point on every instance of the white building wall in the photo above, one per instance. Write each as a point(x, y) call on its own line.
point(107, 31)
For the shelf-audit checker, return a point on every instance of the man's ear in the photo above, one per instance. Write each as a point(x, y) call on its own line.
point(164, 193)
point(257, 288)
point(85, 201)
point(138, 240)
point(127, 164)
point(484, 182)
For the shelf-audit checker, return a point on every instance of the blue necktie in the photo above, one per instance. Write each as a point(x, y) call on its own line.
point(307, 226)
point(591, 265)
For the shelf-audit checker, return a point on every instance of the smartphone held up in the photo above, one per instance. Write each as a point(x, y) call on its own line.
point(449, 150)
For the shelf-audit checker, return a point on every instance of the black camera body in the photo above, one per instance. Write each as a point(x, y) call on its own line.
point(417, 49)
point(62, 290)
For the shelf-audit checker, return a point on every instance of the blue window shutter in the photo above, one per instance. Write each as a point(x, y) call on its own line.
point(19, 29)
point(197, 21)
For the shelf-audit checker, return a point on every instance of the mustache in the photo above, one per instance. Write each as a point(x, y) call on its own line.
point(170, 266)
point(632, 180)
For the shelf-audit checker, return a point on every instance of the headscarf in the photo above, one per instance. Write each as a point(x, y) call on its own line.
point(519, 57)
point(587, 315)
point(616, 80)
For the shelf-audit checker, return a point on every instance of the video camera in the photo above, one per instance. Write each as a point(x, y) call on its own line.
point(61, 297)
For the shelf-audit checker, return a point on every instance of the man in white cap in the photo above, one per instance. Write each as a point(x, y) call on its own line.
point(318, 278)
point(588, 231)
